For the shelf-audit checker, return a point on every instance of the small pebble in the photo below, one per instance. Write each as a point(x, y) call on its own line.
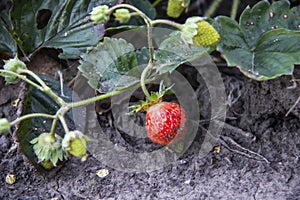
point(102, 173)
point(10, 178)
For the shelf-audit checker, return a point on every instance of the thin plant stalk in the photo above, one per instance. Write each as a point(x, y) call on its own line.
point(234, 9)
point(28, 116)
point(212, 9)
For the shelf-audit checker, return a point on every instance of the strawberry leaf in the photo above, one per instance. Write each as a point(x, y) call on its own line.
point(8, 46)
point(173, 52)
point(54, 23)
point(264, 44)
point(112, 64)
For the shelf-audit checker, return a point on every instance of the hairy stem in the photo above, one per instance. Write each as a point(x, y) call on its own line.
point(22, 77)
point(104, 96)
point(53, 126)
point(64, 124)
point(143, 77)
point(31, 116)
point(167, 22)
point(46, 89)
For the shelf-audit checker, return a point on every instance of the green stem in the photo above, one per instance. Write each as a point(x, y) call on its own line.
point(53, 126)
point(155, 3)
point(60, 113)
point(148, 22)
point(64, 124)
point(33, 75)
point(104, 96)
point(234, 9)
point(167, 22)
point(94, 99)
point(146, 19)
point(45, 87)
point(31, 116)
point(143, 77)
point(22, 77)
point(212, 8)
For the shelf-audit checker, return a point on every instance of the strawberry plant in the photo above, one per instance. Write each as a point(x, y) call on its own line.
point(263, 45)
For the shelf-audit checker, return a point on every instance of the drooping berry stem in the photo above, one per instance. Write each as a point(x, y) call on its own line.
point(45, 88)
point(22, 77)
point(167, 22)
point(143, 77)
point(28, 116)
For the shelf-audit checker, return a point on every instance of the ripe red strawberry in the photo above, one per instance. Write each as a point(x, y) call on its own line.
point(165, 121)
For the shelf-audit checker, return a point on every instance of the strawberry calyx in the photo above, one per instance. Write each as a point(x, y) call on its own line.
point(155, 98)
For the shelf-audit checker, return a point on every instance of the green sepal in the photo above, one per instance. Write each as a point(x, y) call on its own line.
point(48, 147)
point(100, 14)
point(13, 65)
point(155, 98)
point(122, 15)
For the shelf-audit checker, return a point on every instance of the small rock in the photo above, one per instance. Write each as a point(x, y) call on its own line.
point(102, 173)
point(10, 178)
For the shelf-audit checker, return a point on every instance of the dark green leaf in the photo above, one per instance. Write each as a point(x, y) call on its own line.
point(8, 45)
point(174, 51)
point(265, 43)
point(142, 57)
point(56, 23)
point(112, 64)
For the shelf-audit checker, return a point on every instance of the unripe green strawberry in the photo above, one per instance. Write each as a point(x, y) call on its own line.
point(74, 143)
point(165, 121)
point(198, 32)
point(78, 148)
point(47, 164)
point(206, 34)
point(175, 8)
point(122, 15)
point(100, 14)
point(4, 125)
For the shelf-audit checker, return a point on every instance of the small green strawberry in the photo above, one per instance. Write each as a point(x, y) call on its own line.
point(74, 143)
point(198, 32)
point(176, 7)
point(4, 125)
point(122, 15)
point(47, 164)
point(100, 14)
point(206, 34)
